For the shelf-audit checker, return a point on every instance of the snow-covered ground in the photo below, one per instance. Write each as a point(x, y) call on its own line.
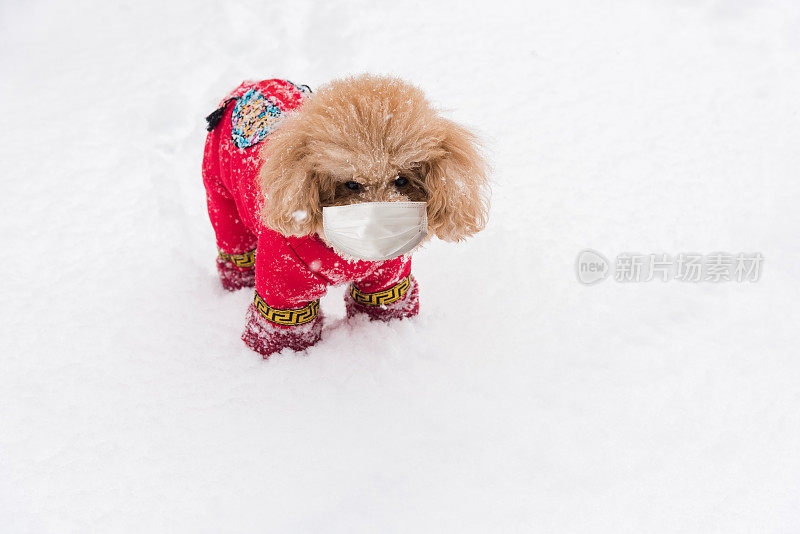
point(520, 399)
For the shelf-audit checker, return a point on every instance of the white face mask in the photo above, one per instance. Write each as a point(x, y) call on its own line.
point(376, 230)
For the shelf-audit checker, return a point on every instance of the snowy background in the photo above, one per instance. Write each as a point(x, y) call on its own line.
point(520, 400)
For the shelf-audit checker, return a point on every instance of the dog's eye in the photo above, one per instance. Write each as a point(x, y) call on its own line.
point(401, 181)
point(352, 186)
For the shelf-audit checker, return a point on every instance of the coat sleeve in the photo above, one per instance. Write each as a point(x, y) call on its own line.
point(386, 275)
point(282, 279)
point(285, 310)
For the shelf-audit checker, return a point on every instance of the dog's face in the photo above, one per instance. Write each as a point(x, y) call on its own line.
point(369, 139)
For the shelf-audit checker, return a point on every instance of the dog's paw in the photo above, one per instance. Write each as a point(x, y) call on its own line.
point(408, 306)
point(234, 278)
point(268, 338)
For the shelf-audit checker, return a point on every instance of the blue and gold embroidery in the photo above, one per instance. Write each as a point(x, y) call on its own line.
point(254, 117)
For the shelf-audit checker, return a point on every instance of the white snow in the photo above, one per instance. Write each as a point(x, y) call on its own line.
point(520, 400)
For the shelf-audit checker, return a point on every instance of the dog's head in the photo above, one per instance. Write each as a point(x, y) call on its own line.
point(366, 139)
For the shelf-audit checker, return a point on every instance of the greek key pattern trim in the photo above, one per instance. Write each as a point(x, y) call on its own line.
point(245, 259)
point(387, 296)
point(292, 317)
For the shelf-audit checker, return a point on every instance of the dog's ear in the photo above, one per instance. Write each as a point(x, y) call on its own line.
point(289, 184)
point(457, 184)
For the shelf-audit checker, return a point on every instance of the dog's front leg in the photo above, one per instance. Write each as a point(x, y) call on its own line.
point(389, 292)
point(285, 309)
point(269, 330)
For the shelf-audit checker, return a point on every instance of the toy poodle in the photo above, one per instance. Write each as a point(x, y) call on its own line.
point(339, 186)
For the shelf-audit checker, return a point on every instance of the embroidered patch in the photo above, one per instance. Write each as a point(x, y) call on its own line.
point(291, 317)
point(254, 117)
point(387, 296)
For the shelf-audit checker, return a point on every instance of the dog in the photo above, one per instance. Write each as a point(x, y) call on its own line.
point(342, 185)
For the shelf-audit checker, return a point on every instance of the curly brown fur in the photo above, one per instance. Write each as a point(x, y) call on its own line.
point(370, 131)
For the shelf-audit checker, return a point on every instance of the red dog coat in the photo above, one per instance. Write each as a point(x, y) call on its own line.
point(290, 274)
